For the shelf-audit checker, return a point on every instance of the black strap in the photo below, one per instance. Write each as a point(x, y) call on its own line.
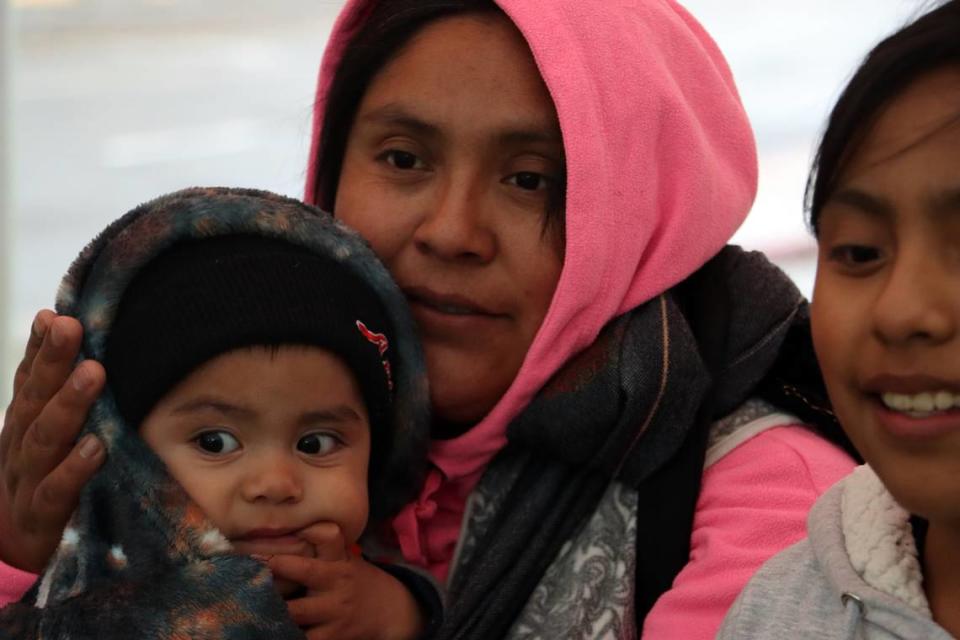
point(667, 500)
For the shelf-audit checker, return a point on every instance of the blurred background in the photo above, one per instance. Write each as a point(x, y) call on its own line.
point(107, 103)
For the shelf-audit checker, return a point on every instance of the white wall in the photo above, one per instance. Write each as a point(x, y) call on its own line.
point(6, 200)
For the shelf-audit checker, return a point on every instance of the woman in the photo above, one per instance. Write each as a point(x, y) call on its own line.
point(552, 185)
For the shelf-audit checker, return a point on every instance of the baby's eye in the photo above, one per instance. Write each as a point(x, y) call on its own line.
point(528, 180)
point(318, 444)
point(217, 442)
point(403, 160)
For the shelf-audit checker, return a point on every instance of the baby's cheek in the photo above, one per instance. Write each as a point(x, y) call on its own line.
point(344, 500)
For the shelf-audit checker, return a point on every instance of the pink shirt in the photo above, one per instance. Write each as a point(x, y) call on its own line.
point(753, 503)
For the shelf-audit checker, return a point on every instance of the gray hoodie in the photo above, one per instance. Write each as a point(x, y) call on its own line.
point(857, 575)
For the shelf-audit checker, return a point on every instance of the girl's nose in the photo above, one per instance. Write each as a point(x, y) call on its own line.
point(918, 302)
point(455, 227)
point(274, 480)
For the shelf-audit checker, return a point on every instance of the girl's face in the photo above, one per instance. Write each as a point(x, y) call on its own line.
point(886, 308)
point(447, 172)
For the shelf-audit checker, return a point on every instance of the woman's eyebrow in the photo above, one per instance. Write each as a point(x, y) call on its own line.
point(867, 203)
point(529, 134)
point(514, 133)
point(397, 115)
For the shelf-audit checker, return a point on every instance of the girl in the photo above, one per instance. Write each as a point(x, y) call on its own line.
point(617, 398)
point(882, 554)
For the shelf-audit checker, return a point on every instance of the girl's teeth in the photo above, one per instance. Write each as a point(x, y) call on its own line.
point(921, 402)
point(943, 400)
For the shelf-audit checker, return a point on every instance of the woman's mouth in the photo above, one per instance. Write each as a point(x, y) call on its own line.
point(450, 316)
point(452, 304)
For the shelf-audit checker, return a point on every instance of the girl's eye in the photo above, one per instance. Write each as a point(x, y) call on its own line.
point(528, 180)
point(217, 442)
point(403, 160)
point(853, 255)
point(318, 444)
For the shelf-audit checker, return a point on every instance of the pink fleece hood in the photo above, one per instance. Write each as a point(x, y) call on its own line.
point(661, 170)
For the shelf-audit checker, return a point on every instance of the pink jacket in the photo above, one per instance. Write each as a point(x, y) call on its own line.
point(661, 170)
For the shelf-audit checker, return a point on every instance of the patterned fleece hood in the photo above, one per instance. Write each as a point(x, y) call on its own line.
point(139, 559)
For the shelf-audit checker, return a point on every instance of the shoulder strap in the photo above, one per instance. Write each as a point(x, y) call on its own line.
point(667, 500)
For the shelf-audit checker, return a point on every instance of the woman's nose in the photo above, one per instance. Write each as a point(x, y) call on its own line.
point(918, 302)
point(455, 226)
point(274, 480)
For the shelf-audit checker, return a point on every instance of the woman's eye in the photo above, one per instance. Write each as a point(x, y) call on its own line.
point(403, 160)
point(318, 444)
point(217, 442)
point(528, 180)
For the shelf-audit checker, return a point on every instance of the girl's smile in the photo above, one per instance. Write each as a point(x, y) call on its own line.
point(916, 406)
point(886, 307)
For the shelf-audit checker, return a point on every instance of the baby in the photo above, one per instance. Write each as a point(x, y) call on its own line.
point(266, 402)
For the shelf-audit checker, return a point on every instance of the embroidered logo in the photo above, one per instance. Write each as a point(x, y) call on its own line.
point(380, 340)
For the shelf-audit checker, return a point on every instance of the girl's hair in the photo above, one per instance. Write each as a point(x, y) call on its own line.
point(387, 30)
point(930, 43)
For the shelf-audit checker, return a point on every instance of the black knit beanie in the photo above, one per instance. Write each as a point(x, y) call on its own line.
point(202, 298)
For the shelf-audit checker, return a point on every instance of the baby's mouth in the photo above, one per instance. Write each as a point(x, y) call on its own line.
point(271, 542)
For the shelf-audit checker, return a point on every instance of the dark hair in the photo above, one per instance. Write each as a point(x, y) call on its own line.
point(929, 43)
point(386, 31)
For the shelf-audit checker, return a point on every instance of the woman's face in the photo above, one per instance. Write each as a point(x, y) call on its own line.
point(886, 307)
point(446, 173)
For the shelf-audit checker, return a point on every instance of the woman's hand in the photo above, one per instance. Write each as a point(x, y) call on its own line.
point(347, 597)
point(42, 467)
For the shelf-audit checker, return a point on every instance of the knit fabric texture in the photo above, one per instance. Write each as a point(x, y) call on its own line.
point(202, 298)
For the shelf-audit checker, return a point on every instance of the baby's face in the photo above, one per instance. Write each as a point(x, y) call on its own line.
point(268, 443)
point(886, 306)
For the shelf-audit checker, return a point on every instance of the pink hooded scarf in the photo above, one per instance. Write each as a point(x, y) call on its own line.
point(661, 170)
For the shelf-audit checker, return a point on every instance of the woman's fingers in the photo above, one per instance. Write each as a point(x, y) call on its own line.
point(41, 323)
point(57, 494)
point(50, 369)
point(44, 470)
point(51, 436)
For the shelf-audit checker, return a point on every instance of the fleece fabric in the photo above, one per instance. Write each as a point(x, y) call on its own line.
point(661, 170)
point(138, 558)
point(857, 576)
